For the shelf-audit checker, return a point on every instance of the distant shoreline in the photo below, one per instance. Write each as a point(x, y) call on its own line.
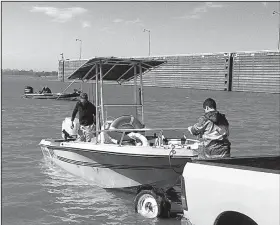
point(28, 75)
point(15, 72)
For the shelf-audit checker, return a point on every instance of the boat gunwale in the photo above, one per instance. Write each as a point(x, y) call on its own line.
point(149, 148)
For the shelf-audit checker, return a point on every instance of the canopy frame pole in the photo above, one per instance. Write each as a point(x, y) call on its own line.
point(109, 71)
point(135, 90)
point(88, 72)
point(101, 102)
point(96, 103)
point(94, 77)
point(125, 73)
point(147, 65)
point(122, 105)
point(142, 94)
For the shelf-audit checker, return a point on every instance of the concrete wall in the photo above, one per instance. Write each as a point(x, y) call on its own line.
point(244, 71)
point(67, 67)
point(256, 72)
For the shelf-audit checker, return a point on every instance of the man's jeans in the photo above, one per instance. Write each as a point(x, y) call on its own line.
point(86, 133)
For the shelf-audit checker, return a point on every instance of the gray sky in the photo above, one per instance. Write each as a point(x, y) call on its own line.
point(35, 33)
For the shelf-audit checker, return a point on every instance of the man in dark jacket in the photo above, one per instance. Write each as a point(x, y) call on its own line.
point(46, 90)
point(213, 128)
point(87, 112)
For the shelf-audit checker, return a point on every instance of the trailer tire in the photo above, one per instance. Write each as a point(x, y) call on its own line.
point(151, 205)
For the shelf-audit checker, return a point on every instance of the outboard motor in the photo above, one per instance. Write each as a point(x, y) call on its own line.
point(28, 90)
point(67, 132)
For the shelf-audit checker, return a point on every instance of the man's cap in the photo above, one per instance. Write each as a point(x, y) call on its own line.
point(84, 96)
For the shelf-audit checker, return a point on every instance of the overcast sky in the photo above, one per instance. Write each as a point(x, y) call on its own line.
point(35, 33)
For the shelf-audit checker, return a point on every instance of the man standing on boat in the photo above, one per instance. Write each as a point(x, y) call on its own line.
point(87, 113)
point(213, 128)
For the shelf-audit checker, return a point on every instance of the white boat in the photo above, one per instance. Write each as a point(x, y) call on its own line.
point(123, 155)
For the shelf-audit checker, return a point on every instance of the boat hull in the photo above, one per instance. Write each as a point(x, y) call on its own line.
point(73, 96)
point(113, 170)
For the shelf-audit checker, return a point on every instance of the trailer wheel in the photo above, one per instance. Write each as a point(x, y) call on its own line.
point(148, 204)
point(152, 205)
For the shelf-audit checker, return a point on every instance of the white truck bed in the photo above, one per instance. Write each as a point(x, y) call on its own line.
point(237, 191)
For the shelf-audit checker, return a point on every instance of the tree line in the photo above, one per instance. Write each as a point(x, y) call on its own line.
point(29, 72)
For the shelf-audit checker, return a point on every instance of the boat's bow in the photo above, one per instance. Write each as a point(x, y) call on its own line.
point(114, 166)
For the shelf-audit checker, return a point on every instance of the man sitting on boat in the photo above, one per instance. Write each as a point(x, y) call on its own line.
point(45, 90)
point(87, 113)
point(213, 127)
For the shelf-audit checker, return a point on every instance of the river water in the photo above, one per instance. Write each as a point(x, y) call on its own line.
point(35, 192)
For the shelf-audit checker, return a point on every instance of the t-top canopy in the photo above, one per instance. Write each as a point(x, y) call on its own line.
point(114, 69)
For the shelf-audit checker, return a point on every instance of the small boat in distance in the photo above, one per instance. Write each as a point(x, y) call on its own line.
point(28, 93)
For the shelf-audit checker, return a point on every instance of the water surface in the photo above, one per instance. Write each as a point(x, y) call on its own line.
point(35, 192)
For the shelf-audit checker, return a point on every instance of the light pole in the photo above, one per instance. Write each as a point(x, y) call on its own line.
point(145, 30)
point(80, 47)
point(62, 59)
point(80, 58)
point(274, 13)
